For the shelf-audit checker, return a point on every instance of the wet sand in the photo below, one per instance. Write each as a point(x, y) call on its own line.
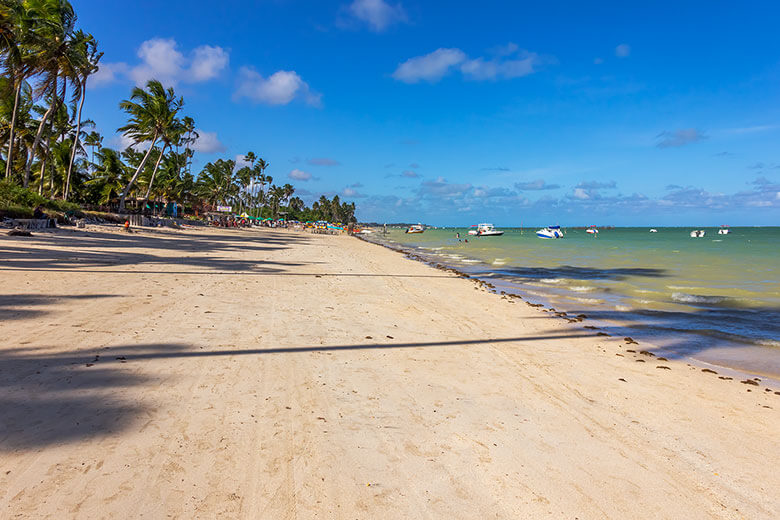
point(275, 374)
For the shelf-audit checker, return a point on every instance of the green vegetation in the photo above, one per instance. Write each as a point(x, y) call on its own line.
point(53, 159)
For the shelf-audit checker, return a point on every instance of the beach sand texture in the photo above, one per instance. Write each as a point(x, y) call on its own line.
point(275, 374)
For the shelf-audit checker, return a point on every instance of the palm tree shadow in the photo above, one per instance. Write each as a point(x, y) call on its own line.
point(53, 398)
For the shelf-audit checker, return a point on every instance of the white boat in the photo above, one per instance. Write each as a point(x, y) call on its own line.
point(724, 230)
point(550, 232)
point(653, 230)
point(698, 233)
point(485, 230)
point(592, 230)
point(415, 228)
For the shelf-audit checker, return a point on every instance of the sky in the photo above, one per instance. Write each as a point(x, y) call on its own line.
point(453, 113)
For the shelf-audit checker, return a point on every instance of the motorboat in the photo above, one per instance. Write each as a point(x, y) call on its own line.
point(698, 233)
point(593, 230)
point(653, 230)
point(485, 230)
point(550, 232)
point(415, 228)
point(724, 230)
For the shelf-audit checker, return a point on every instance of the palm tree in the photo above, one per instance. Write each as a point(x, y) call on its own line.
point(86, 45)
point(171, 135)
point(14, 50)
point(110, 175)
point(93, 140)
point(52, 56)
point(152, 113)
point(216, 183)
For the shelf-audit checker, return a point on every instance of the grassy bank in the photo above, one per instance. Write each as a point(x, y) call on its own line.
point(18, 202)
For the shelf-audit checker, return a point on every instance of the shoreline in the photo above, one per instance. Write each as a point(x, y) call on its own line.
point(506, 286)
point(273, 374)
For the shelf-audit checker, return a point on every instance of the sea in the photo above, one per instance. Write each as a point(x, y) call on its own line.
point(714, 300)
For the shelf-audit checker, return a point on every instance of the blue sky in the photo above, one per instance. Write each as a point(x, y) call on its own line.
point(449, 114)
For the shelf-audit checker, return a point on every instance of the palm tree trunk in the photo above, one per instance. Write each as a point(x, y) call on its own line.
point(154, 172)
point(135, 175)
point(37, 142)
point(41, 176)
point(75, 139)
point(11, 134)
point(51, 179)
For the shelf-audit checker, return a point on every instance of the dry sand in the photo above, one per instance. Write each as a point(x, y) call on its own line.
point(262, 374)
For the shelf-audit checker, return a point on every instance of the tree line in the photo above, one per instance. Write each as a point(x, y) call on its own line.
point(47, 145)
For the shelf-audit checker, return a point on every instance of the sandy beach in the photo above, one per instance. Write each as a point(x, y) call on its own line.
point(276, 374)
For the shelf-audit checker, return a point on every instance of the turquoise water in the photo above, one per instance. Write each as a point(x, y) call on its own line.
point(716, 299)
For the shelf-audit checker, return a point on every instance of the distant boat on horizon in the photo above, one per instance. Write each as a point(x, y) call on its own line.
point(593, 230)
point(698, 233)
point(724, 230)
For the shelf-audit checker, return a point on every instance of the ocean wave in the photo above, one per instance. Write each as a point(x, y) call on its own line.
point(551, 280)
point(581, 288)
point(696, 298)
point(470, 261)
point(498, 262)
point(591, 301)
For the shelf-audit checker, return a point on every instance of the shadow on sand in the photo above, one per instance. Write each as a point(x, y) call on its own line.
point(49, 399)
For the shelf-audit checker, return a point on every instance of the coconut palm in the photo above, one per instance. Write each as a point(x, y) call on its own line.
point(152, 113)
point(216, 182)
point(54, 58)
point(110, 175)
point(93, 140)
point(171, 135)
point(15, 58)
point(86, 45)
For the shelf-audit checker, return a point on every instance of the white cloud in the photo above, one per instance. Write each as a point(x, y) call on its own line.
point(751, 129)
point(280, 88)
point(622, 50)
point(121, 142)
point(208, 142)
point(323, 161)
point(349, 192)
point(536, 185)
point(377, 14)
point(299, 175)
point(479, 69)
point(161, 59)
point(431, 67)
point(509, 62)
point(679, 138)
point(208, 62)
point(241, 161)
point(581, 194)
point(107, 73)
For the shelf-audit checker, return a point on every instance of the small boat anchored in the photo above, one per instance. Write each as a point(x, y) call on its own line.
point(593, 230)
point(653, 230)
point(698, 233)
point(485, 230)
point(724, 230)
point(550, 232)
point(416, 228)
